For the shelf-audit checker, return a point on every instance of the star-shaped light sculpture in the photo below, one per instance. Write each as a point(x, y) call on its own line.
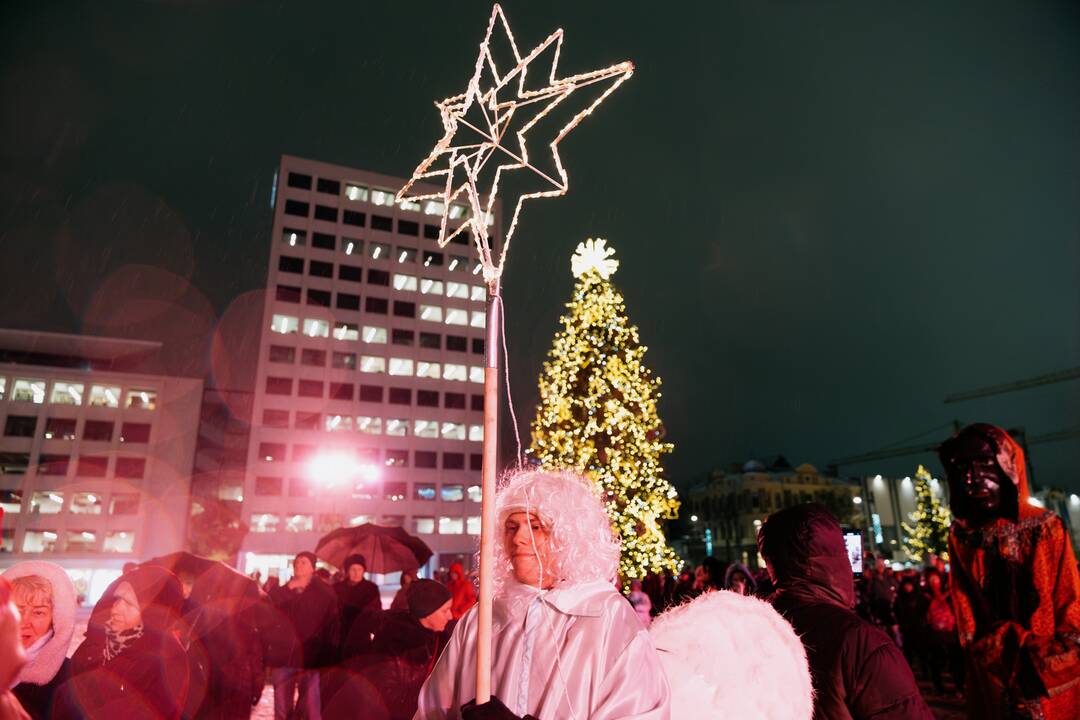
point(496, 97)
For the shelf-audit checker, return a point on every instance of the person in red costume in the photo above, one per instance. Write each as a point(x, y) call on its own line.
point(1015, 584)
point(462, 589)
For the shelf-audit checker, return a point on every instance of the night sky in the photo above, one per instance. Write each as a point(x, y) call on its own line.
point(829, 215)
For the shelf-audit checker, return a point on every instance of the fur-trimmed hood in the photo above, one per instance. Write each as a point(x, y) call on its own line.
point(43, 668)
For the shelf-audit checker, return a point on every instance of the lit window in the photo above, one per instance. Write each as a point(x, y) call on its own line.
point(432, 313)
point(382, 197)
point(378, 251)
point(81, 540)
point(452, 371)
point(66, 393)
point(393, 520)
point(476, 374)
point(338, 423)
point(458, 263)
point(142, 399)
point(284, 324)
point(11, 501)
point(119, 541)
point(478, 319)
point(352, 246)
point(346, 331)
point(451, 526)
point(293, 238)
point(356, 192)
point(264, 522)
point(104, 396)
point(394, 491)
point(479, 292)
point(427, 369)
point(433, 207)
point(3, 387)
point(397, 427)
point(28, 391)
point(457, 211)
point(424, 525)
point(316, 328)
point(404, 282)
point(477, 268)
point(299, 523)
point(35, 541)
point(453, 431)
point(405, 255)
point(46, 502)
point(452, 493)
point(474, 493)
point(457, 290)
point(430, 286)
point(410, 205)
point(456, 316)
point(55, 428)
point(472, 525)
point(361, 520)
point(374, 335)
point(369, 425)
point(401, 366)
point(426, 428)
point(424, 491)
point(86, 503)
point(372, 364)
point(476, 433)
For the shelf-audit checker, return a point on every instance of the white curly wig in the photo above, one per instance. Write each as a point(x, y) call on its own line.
point(583, 546)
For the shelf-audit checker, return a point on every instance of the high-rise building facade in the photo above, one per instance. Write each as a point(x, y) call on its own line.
point(96, 454)
point(368, 402)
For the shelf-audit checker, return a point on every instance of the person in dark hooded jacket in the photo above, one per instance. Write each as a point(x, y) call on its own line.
point(1015, 585)
point(358, 599)
point(856, 670)
point(132, 665)
point(385, 684)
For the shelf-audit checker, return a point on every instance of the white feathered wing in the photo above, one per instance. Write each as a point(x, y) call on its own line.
point(727, 655)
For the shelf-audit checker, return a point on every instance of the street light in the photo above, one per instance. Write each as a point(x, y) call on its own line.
point(693, 518)
point(857, 500)
point(336, 468)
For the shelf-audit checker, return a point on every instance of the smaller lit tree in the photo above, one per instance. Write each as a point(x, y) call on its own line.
point(929, 533)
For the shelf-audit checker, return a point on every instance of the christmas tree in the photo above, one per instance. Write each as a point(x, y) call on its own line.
point(597, 414)
point(930, 533)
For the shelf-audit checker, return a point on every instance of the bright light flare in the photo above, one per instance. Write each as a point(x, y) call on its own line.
point(335, 469)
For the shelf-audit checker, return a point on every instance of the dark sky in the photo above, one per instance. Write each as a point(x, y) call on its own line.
point(829, 215)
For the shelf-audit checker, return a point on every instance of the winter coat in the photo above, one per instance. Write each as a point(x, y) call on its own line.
point(857, 671)
point(403, 654)
point(312, 622)
point(357, 601)
point(228, 670)
point(572, 651)
point(39, 681)
point(1016, 593)
point(150, 678)
point(462, 590)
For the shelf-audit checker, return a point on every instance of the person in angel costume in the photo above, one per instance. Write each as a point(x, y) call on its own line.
point(565, 643)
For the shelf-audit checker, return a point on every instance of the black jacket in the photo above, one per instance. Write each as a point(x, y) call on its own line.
point(857, 671)
point(39, 700)
point(356, 602)
point(310, 617)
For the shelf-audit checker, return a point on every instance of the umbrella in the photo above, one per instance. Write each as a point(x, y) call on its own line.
point(218, 592)
point(386, 549)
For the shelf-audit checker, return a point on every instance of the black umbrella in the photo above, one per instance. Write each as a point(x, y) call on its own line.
point(218, 591)
point(386, 549)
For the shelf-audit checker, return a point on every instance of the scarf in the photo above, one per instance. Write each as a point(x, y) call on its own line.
point(32, 652)
point(117, 642)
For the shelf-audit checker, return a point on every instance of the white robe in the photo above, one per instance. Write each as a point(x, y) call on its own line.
point(576, 653)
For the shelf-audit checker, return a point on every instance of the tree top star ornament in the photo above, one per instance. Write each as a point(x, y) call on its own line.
point(470, 144)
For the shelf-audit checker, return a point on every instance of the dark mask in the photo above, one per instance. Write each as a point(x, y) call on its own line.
point(976, 483)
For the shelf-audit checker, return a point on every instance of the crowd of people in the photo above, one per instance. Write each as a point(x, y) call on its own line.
point(1001, 619)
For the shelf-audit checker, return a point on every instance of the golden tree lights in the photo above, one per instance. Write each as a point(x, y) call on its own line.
point(597, 414)
point(930, 533)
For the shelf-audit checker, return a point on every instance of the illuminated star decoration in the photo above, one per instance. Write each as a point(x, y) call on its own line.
point(594, 255)
point(460, 164)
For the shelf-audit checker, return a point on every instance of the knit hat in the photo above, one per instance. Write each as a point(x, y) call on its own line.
point(425, 597)
point(354, 559)
point(309, 555)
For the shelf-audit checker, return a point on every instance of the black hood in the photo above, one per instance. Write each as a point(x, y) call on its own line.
point(805, 547)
